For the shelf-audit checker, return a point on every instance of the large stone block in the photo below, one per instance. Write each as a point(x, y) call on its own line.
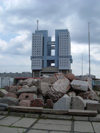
point(70, 76)
point(27, 96)
point(44, 87)
point(49, 80)
point(89, 95)
point(13, 89)
point(93, 106)
point(25, 103)
point(58, 89)
point(3, 92)
point(11, 94)
point(3, 106)
point(60, 76)
point(32, 89)
point(30, 82)
point(9, 100)
point(77, 103)
point(63, 103)
point(80, 85)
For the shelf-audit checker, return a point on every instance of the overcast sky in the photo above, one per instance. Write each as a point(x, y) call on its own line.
point(18, 21)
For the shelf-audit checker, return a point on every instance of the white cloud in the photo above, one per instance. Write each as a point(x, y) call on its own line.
point(3, 45)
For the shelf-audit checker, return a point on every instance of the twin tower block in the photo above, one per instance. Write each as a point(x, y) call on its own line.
point(49, 57)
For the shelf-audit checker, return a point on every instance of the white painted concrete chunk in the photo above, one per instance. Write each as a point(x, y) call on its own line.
point(63, 103)
point(80, 85)
point(78, 103)
point(61, 85)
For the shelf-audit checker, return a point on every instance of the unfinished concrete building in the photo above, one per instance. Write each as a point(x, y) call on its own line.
point(48, 56)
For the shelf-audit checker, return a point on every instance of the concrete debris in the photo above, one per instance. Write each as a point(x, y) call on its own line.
point(59, 91)
point(70, 76)
point(37, 103)
point(77, 103)
point(80, 85)
point(3, 107)
point(93, 106)
point(44, 87)
point(13, 89)
point(49, 103)
point(72, 94)
point(27, 96)
point(89, 95)
point(9, 100)
point(90, 101)
point(63, 103)
point(32, 89)
point(3, 92)
point(11, 94)
point(60, 76)
point(49, 80)
point(25, 103)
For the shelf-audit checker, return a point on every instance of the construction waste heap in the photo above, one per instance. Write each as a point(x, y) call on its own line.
point(57, 92)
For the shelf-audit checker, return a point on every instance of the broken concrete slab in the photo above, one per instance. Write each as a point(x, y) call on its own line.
point(90, 101)
point(11, 94)
point(49, 80)
point(93, 106)
point(77, 103)
point(80, 85)
point(89, 95)
point(25, 103)
point(27, 96)
point(70, 76)
point(32, 89)
point(59, 76)
point(37, 103)
point(58, 89)
point(72, 94)
point(3, 92)
point(13, 89)
point(3, 106)
point(63, 103)
point(9, 100)
point(44, 87)
point(49, 103)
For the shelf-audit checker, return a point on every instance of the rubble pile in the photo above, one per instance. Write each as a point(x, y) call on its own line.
point(59, 91)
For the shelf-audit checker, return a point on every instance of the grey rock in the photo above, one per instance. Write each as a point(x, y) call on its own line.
point(77, 103)
point(59, 88)
point(44, 87)
point(9, 100)
point(3, 92)
point(32, 89)
point(30, 82)
point(63, 103)
point(80, 85)
point(3, 106)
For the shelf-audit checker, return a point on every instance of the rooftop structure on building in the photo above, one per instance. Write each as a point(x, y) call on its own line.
point(49, 56)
